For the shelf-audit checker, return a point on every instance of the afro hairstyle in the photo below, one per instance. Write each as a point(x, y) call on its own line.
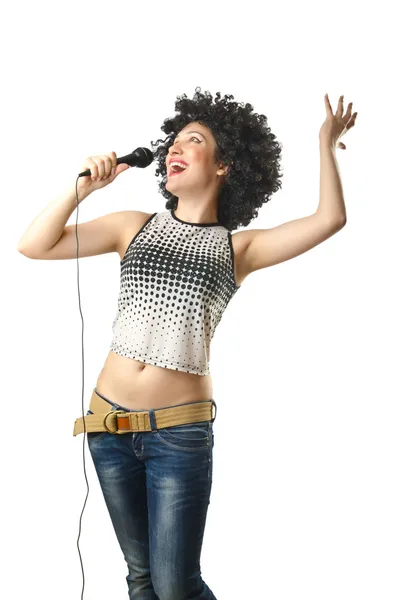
point(243, 142)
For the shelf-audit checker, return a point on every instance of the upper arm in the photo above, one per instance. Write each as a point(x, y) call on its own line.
point(267, 247)
point(99, 236)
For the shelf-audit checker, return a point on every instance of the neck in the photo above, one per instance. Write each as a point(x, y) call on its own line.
point(196, 214)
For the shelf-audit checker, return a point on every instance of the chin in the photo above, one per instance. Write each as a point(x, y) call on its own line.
point(170, 186)
point(167, 186)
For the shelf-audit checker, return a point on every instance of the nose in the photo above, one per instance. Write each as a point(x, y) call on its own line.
point(175, 146)
point(174, 149)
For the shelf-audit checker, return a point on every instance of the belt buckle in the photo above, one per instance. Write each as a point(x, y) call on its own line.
point(113, 412)
point(213, 405)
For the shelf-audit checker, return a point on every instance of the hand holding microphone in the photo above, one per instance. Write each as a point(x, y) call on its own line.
point(99, 171)
point(103, 170)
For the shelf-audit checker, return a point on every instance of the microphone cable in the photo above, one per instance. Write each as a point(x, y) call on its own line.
point(82, 396)
point(141, 157)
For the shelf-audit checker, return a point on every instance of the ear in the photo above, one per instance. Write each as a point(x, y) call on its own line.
point(223, 169)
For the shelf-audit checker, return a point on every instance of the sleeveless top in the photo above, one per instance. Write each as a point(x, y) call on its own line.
point(176, 280)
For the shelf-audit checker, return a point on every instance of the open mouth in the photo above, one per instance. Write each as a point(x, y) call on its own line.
point(176, 169)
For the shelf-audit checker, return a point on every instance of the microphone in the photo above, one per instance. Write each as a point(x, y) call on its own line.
point(141, 157)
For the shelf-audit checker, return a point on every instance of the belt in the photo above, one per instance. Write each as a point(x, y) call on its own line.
point(120, 421)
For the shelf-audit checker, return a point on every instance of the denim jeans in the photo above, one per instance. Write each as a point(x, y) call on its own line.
point(157, 486)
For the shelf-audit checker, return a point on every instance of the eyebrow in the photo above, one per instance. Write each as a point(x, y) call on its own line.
point(187, 132)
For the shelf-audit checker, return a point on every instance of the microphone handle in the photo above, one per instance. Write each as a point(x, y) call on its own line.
point(122, 159)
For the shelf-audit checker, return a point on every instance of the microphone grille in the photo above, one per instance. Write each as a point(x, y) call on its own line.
point(145, 157)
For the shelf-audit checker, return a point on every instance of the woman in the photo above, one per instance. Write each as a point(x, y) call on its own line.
point(180, 267)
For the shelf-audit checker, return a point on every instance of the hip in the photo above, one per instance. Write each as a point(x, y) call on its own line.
point(137, 385)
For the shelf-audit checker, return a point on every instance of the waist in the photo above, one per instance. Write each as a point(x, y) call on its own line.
point(137, 385)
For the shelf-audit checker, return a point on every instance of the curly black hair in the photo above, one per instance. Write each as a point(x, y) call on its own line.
point(243, 142)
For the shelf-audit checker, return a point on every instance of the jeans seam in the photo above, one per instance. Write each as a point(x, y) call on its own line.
point(176, 447)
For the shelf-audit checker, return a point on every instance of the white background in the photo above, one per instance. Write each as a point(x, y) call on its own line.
point(304, 490)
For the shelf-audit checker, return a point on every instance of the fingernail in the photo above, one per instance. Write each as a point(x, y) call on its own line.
point(113, 171)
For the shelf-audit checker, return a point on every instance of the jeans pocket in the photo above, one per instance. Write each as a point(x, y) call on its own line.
point(191, 436)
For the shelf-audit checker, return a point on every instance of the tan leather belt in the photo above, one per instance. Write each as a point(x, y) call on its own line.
point(119, 421)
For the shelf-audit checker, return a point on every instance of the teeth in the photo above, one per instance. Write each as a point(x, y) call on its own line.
point(179, 164)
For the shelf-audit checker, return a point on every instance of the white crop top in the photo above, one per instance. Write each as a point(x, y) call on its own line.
point(176, 280)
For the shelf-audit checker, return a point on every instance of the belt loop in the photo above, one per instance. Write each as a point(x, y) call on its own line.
point(152, 418)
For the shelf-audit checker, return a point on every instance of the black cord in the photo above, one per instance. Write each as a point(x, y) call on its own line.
point(82, 398)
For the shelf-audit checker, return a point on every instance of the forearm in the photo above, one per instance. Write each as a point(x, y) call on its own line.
point(332, 204)
point(46, 229)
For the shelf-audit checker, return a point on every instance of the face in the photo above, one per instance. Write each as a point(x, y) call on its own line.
point(195, 146)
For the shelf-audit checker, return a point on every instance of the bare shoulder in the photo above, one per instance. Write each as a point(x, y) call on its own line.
point(131, 222)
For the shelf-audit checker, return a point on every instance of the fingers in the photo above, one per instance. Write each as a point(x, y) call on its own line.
point(328, 106)
point(347, 118)
point(339, 111)
point(104, 166)
point(101, 166)
point(352, 120)
point(349, 110)
point(113, 159)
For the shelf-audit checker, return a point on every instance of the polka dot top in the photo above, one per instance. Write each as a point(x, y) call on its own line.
point(176, 280)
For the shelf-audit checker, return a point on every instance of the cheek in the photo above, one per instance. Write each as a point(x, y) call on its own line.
point(202, 160)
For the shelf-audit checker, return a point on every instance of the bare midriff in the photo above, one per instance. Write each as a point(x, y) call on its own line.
point(138, 385)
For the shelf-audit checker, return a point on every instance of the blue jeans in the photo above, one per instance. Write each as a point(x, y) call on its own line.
point(157, 486)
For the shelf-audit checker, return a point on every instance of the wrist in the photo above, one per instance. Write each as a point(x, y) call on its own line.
point(81, 195)
point(327, 142)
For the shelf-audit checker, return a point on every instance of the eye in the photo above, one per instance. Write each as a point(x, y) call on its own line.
point(191, 138)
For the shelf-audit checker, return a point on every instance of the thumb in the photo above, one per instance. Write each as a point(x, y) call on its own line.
point(120, 168)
